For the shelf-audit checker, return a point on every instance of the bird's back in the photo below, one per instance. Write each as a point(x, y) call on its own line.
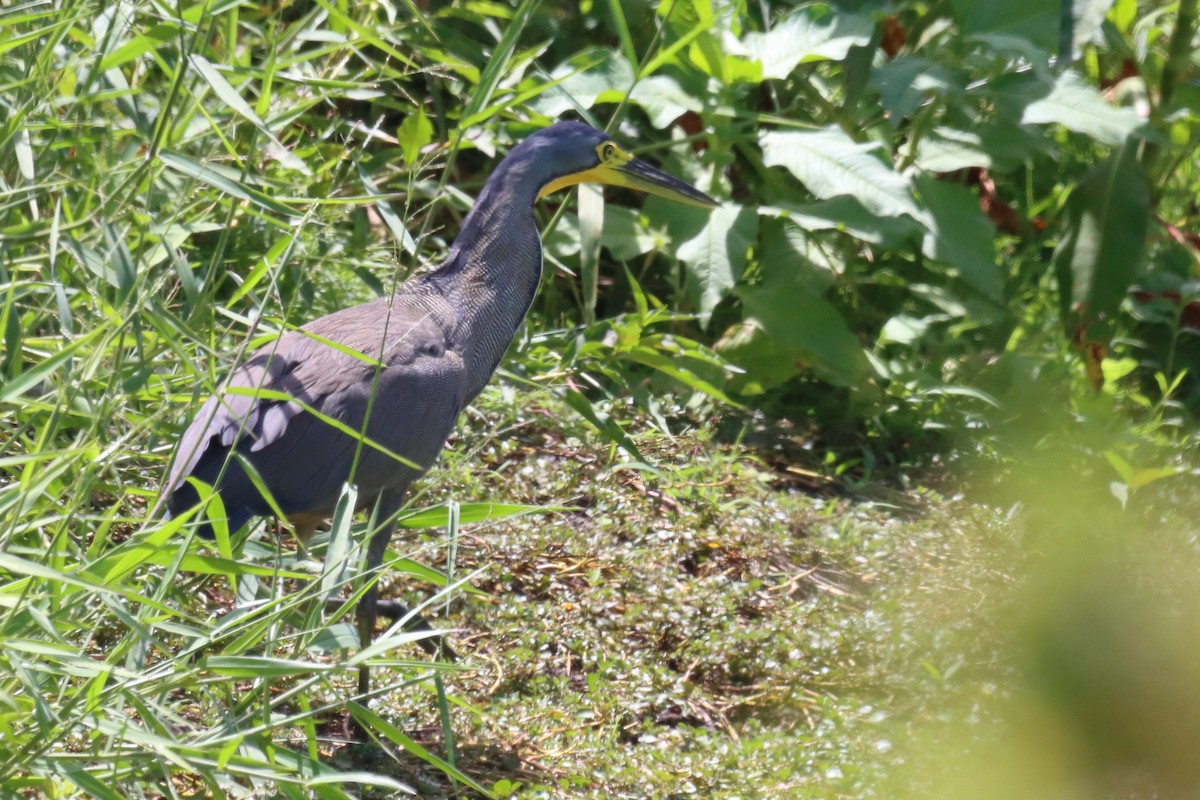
point(294, 410)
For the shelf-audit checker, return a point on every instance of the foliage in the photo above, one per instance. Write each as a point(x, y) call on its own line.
point(899, 179)
point(950, 226)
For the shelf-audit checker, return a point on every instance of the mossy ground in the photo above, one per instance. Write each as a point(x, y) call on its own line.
point(697, 624)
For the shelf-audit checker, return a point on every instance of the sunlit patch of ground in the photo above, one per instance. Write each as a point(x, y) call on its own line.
point(697, 625)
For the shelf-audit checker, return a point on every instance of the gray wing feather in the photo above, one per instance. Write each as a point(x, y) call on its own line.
point(421, 390)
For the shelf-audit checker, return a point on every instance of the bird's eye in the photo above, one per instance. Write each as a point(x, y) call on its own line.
point(609, 152)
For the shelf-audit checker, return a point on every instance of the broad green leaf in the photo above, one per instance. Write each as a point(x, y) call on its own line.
point(948, 150)
point(1089, 16)
point(717, 255)
point(709, 54)
point(1079, 107)
point(150, 39)
point(1144, 477)
point(689, 27)
point(764, 363)
point(683, 16)
point(998, 143)
point(663, 100)
point(905, 329)
point(605, 78)
point(830, 164)
point(812, 32)
point(705, 26)
point(811, 330)
point(1104, 243)
point(906, 83)
point(337, 562)
point(1123, 14)
point(1119, 464)
point(625, 236)
point(789, 261)
point(960, 236)
point(562, 241)
point(1034, 21)
point(844, 213)
point(414, 133)
point(1137, 478)
point(591, 223)
point(339, 636)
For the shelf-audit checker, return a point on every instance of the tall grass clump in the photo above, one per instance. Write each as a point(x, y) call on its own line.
point(177, 184)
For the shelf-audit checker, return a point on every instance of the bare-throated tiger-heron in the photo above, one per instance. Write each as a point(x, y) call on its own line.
point(427, 350)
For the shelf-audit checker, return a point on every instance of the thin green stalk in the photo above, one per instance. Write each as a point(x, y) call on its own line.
point(1179, 51)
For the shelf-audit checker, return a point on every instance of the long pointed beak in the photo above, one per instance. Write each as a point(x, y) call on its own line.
point(639, 175)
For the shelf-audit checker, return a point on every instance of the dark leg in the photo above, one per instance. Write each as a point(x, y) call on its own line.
point(393, 610)
point(368, 606)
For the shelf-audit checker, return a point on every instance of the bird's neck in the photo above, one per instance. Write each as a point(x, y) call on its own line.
point(492, 273)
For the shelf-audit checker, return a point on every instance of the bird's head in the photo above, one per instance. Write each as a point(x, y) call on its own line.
point(581, 154)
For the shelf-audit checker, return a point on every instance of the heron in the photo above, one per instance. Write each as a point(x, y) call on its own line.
point(398, 370)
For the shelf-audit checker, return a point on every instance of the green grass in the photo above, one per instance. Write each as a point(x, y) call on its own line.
point(690, 607)
point(160, 216)
point(706, 627)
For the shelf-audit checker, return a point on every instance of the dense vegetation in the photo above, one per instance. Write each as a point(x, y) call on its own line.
point(958, 246)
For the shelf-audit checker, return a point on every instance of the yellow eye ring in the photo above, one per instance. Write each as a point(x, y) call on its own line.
point(608, 151)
